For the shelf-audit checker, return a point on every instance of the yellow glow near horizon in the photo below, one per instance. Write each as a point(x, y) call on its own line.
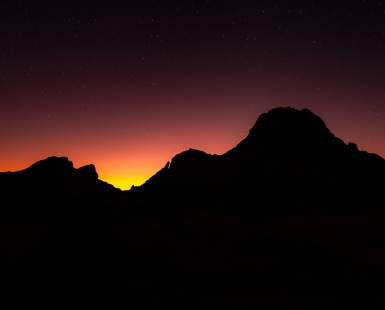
point(124, 182)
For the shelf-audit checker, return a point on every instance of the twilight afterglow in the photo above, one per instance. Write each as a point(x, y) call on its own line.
point(128, 86)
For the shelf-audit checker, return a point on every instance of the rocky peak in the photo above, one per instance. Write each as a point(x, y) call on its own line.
point(288, 121)
point(285, 129)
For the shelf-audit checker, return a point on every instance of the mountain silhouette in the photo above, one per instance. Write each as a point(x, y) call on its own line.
point(291, 217)
point(52, 175)
point(289, 156)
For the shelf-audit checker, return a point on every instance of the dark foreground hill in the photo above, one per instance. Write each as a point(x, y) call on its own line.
point(291, 218)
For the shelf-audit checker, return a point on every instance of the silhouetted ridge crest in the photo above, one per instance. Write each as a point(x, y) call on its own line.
point(188, 159)
point(285, 121)
point(182, 164)
point(54, 174)
point(52, 167)
point(87, 172)
point(288, 129)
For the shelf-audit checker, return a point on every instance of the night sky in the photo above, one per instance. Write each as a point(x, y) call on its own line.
point(128, 85)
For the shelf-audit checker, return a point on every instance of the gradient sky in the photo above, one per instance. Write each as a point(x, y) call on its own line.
point(126, 86)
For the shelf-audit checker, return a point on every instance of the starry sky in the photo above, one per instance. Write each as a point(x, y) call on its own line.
point(126, 85)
